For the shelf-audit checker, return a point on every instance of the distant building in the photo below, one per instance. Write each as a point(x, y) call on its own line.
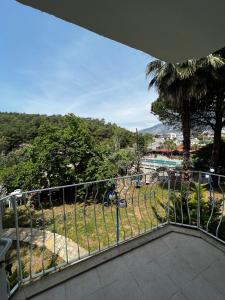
point(172, 135)
point(194, 141)
point(209, 133)
point(156, 144)
point(178, 151)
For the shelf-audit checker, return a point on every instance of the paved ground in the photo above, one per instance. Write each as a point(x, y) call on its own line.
point(48, 239)
point(175, 267)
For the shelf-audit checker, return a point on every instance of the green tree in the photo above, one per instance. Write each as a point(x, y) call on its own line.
point(202, 158)
point(124, 159)
point(58, 155)
point(4, 145)
point(206, 113)
point(19, 129)
point(170, 145)
point(60, 150)
point(101, 165)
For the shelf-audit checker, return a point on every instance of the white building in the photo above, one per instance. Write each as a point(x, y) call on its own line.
point(172, 135)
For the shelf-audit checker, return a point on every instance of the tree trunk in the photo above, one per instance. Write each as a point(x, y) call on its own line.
point(186, 130)
point(215, 159)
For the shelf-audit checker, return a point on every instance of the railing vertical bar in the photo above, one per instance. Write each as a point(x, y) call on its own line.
point(139, 208)
point(133, 209)
point(145, 199)
point(105, 202)
point(187, 187)
point(75, 222)
point(111, 210)
point(151, 185)
point(155, 208)
point(85, 219)
point(199, 201)
point(43, 233)
point(168, 208)
point(162, 199)
point(120, 215)
point(181, 202)
point(95, 218)
point(54, 228)
point(65, 225)
point(212, 201)
point(126, 209)
point(4, 285)
point(174, 199)
point(164, 206)
point(117, 225)
point(31, 239)
point(149, 204)
point(1, 218)
point(19, 262)
point(153, 200)
point(222, 212)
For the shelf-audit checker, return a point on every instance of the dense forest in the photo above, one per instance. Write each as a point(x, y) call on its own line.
point(20, 128)
point(39, 151)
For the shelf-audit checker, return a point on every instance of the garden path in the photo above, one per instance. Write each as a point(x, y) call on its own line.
point(65, 248)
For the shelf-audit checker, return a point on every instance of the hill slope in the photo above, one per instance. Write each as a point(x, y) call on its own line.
point(20, 128)
point(159, 129)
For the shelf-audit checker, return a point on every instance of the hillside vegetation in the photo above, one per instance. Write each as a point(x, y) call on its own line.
point(19, 128)
point(40, 151)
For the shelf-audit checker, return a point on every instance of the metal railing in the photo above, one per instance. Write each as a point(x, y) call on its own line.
point(199, 203)
point(54, 227)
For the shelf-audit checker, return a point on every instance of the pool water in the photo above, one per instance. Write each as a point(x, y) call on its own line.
point(163, 162)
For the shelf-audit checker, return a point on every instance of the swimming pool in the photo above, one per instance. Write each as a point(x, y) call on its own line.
point(162, 162)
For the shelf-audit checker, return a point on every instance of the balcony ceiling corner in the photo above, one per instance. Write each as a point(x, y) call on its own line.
point(170, 30)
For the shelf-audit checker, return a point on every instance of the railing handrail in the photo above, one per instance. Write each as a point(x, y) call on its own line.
point(82, 183)
point(5, 198)
point(212, 174)
point(101, 181)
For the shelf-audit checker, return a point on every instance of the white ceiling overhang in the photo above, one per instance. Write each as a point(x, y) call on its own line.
point(172, 30)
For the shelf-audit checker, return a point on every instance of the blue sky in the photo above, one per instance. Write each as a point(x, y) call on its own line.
point(53, 67)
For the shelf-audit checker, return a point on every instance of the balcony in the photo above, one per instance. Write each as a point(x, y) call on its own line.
point(151, 236)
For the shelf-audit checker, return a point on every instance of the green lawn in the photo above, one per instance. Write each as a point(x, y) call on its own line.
point(34, 265)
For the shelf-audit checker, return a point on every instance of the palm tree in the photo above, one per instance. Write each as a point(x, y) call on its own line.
point(170, 145)
point(183, 84)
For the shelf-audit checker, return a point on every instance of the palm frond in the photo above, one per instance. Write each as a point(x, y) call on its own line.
point(152, 83)
point(153, 66)
point(188, 80)
point(211, 61)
